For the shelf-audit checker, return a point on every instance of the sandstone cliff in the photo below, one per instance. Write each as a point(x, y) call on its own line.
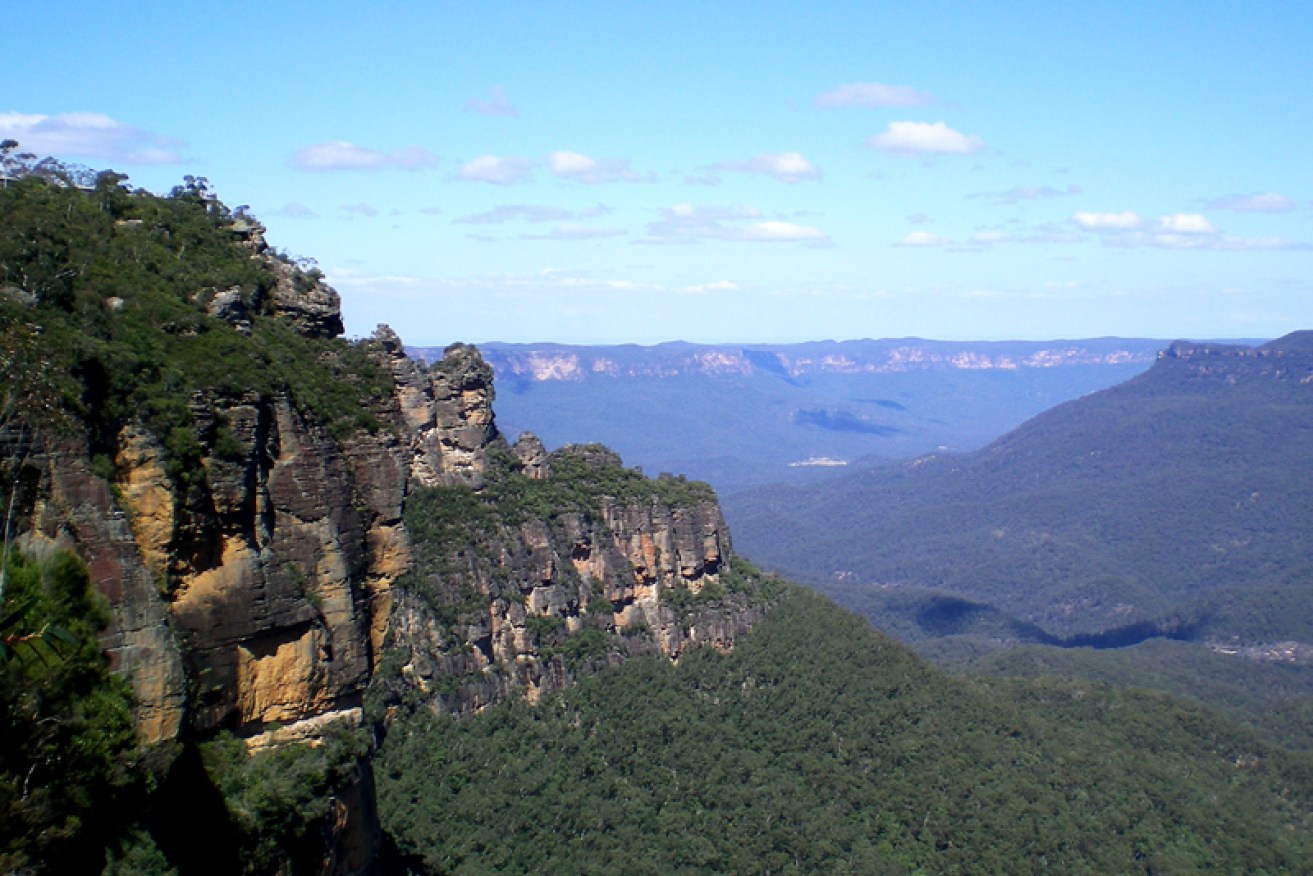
point(273, 549)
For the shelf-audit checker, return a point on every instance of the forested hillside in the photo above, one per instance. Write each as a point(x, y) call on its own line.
point(1170, 507)
point(819, 745)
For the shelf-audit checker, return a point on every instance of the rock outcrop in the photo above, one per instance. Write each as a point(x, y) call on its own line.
point(1289, 358)
point(534, 602)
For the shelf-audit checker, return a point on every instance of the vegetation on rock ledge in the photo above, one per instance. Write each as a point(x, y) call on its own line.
point(114, 287)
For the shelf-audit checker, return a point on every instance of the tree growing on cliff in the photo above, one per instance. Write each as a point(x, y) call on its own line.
point(71, 777)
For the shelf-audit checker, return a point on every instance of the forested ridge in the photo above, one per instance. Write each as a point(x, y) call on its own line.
point(1150, 534)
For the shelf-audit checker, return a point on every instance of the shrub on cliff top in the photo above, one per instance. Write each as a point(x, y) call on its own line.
point(115, 284)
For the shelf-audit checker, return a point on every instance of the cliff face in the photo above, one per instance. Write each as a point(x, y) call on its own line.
point(279, 552)
point(528, 603)
point(557, 362)
point(259, 590)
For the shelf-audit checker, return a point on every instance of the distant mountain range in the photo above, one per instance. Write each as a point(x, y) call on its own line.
point(1173, 505)
point(744, 415)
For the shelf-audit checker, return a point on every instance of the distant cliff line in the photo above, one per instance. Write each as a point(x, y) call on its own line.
point(566, 362)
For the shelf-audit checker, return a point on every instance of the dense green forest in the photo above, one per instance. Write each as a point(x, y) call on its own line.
point(820, 745)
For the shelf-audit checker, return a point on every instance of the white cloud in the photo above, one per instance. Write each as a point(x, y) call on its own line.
point(684, 223)
point(1267, 202)
point(495, 170)
point(581, 168)
point(343, 155)
point(1176, 231)
point(925, 138)
point(1108, 221)
point(1185, 223)
point(776, 231)
point(923, 238)
point(716, 286)
point(339, 155)
point(87, 135)
point(497, 104)
point(873, 94)
point(787, 167)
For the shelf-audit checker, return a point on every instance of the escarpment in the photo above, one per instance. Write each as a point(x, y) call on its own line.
point(289, 528)
point(261, 587)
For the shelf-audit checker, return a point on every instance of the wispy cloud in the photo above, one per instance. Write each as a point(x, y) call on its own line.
point(296, 210)
point(575, 231)
point(684, 223)
point(1017, 194)
point(923, 238)
point(88, 135)
point(516, 213)
point(925, 138)
point(369, 211)
point(1266, 202)
point(873, 95)
point(786, 167)
point(1191, 231)
point(341, 155)
point(580, 168)
point(501, 171)
point(497, 104)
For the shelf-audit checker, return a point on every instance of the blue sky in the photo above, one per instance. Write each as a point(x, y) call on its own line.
point(731, 172)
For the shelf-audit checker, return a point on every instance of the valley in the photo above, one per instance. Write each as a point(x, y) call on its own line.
point(747, 415)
